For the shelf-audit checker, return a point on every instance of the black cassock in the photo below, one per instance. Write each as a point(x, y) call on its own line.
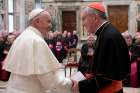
point(111, 60)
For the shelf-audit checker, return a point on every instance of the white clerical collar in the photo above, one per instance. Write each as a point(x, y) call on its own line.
point(35, 30)
point(101, 25)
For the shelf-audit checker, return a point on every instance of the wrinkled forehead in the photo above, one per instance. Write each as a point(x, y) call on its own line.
point(45, 13)
point(87, 12)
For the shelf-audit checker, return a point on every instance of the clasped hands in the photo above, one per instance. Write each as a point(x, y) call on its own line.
point(75, 87)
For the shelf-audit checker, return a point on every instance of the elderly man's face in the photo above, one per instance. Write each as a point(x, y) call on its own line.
point(45, 21)
point(88, 21)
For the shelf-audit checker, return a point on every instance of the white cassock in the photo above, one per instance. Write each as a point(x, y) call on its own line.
point(33, 67)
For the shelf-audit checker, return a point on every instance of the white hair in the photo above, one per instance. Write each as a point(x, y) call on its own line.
point(89, 10)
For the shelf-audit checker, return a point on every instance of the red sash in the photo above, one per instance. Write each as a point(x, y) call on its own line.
point(133, 74)
point(113, 88)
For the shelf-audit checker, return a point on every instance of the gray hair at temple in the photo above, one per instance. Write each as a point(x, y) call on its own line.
point(96, 12)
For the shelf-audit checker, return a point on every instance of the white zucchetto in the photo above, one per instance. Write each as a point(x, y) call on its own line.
point(34, 13)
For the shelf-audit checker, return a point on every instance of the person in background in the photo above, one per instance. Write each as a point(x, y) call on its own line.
point(50, 41)
point(111, 62)
point(2, 54)
point(131, 79)
point(65, 40)
point(2, 44)
point(33, 67)
point(9, 41)
point(75, 39)
point(4, 75)
point(17, 32)
point(59, 51)
point(87, 54)
point(135, 57)
point(128, 38)
point(69, 40)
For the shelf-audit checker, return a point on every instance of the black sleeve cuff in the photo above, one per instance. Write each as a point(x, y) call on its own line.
point(94, 85)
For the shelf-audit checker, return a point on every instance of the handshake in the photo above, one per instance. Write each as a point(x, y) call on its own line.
point(76, 77)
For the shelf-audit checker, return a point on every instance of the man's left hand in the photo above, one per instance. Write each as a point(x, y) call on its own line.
point(75, 87)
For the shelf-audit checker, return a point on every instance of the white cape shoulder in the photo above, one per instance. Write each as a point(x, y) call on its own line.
point(29, 55)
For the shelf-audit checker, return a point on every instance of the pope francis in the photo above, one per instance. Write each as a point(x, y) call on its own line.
point(33, 67)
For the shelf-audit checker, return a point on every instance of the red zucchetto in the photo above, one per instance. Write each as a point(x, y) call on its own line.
point(97, 5)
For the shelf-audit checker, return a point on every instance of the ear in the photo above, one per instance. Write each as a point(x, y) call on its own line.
point(37, 20)
point(93, 17)
point(96, 17)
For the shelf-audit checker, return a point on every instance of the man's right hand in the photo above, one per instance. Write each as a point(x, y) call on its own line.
point(88, 75)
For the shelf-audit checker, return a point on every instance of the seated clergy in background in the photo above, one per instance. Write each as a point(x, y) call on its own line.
point(33, 67)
